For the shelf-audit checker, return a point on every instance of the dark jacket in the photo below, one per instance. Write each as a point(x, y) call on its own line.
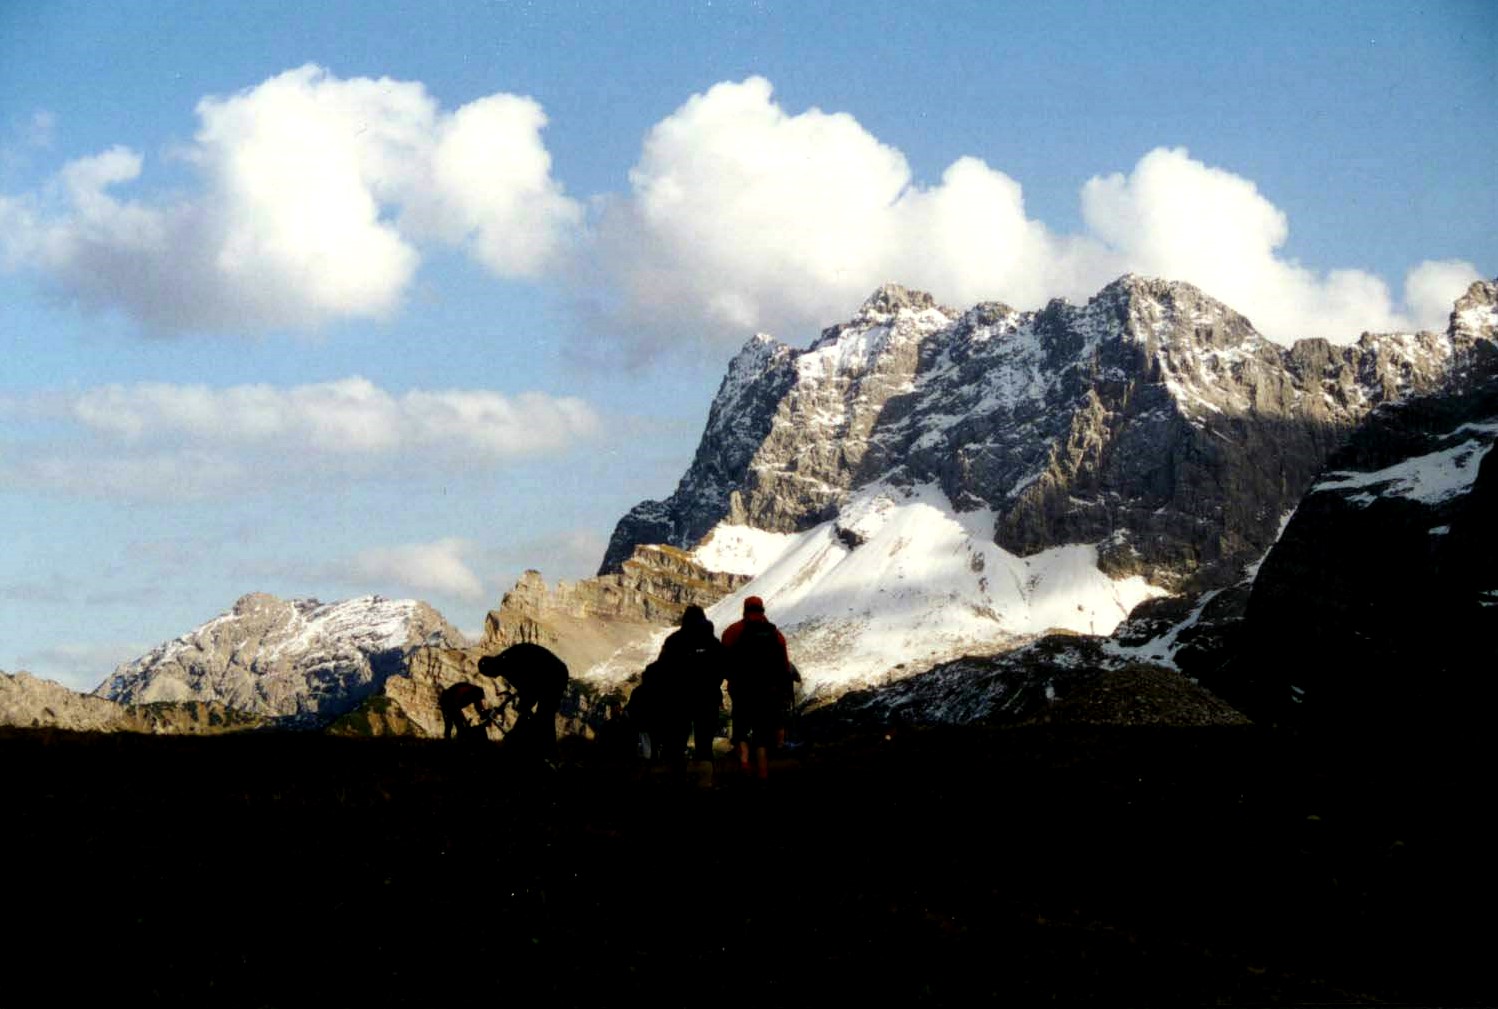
point(694, 663)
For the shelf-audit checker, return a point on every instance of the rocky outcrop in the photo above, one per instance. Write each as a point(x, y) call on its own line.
point(1062, 679)
point(29, 702)
point(653, 586)
point(1379, 604)
point(297, 660)
point(1154, 421)
point(586, 623)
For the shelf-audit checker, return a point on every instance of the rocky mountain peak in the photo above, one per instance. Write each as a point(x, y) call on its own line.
point(1153, 421)
point(297, 658)
point(890, 299)
point(1475, 314)
point(255, 602)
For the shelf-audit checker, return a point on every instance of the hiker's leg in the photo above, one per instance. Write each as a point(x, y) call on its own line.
point(762, 762)
point(702, 734)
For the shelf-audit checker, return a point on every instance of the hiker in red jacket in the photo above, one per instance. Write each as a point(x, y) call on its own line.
point(759, 684)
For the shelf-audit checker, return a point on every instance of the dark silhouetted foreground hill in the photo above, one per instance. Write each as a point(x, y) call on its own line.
point(1071, 864)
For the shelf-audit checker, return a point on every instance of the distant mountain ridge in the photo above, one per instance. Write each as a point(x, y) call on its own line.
point(918, 485)
point(298, 659)
point(30, 702)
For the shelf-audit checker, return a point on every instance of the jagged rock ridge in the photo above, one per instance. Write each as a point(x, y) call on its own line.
point(1376, 607)
point(1153, 420)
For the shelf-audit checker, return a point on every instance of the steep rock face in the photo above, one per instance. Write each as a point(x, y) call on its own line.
point(1153, 420)
point(654, 585)
point(1379, 605)
point(29, 702)
point(738, 422)
point(293, 659)
point(589, 622)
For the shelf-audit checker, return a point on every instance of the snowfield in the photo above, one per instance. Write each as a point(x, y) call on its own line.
point(1428, 479)
point(901, 580)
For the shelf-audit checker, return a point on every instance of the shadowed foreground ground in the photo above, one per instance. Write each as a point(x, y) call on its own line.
point(1027, 865)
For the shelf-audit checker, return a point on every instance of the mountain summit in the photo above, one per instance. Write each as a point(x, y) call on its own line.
point(1067, 463)
point(290, 658)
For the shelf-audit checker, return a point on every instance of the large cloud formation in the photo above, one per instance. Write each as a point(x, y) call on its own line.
point(742, 216)
point(316, 194)
point(167, 441)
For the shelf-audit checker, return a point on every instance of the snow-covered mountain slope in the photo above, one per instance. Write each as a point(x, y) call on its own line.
point(922, 481)
point(902, 578)
point(290, 658)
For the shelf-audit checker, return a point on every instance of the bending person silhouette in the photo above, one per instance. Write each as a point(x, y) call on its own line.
point(539, 679)
point(453, 700)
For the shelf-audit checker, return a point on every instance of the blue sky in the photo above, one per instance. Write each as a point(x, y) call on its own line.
point(327, 299)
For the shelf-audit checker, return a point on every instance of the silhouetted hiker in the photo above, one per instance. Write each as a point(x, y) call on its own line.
point(788, 704)
point(539, 678)
point(759, 683)
point(619, 737)
point(453, 700)
point(695, 665)
point(654, 707)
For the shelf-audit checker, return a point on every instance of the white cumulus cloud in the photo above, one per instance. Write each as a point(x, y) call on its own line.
point(316, 195)
point(1176, 217)
point(1431, 288)
point(744, 216)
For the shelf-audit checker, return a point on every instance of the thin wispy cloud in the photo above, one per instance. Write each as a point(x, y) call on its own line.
point(440, 568)
point(315, 197)
point(193, 441)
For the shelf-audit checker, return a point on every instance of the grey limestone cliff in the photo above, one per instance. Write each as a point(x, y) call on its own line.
point(1153, 420)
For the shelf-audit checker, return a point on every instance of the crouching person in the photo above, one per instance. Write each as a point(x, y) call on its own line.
point(539, 679)
point(452, 701)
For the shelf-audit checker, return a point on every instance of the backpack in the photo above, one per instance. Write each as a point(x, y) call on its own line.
point(758, 660)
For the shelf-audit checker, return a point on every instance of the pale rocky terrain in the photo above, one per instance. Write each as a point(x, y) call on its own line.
point(611, 618)
point(28, 701)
